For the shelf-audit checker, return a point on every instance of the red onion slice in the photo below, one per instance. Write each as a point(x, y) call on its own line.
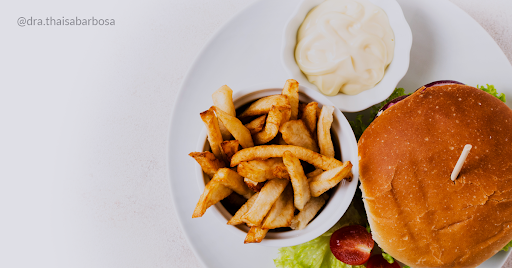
point(433, 84)
point(440, 83)
point(391, 103)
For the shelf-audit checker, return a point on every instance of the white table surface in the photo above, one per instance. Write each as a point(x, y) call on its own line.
point(85, 113)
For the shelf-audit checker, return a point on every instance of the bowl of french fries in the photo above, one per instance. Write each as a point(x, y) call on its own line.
point(278, 165)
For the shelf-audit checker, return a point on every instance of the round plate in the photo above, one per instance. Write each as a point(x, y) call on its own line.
point(247, 51)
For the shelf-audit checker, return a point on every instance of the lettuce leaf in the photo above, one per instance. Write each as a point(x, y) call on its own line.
point(317, 252)
point(507, 246)
point(491, 90)
point(388, 257)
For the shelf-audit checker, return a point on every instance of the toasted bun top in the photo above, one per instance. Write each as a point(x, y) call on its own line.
point(416, 213)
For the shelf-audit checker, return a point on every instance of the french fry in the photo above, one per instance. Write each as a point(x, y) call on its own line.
point(237, 218)
point(266, 198)
point(328, 179)
point(324, 131)
point(235, 127)
point(256, 125)
point(295, 132)
point(233, 181)
point(314, 173)
point(262, 170)
point(214, 135)
point(253, 185)
point(255, 235)
point(309, 117)
point(281, 213)
point(302, 219)
point(271, 127)
point(301, 193)
point(268, 151)
point(229, 148)
point(287, 112)
point(208, 162)
point(213, 193)
point(291, 90)
point(263, 105)
point(223, 98)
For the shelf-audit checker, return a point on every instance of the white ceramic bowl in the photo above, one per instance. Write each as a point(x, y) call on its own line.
point(394, 73)
point(337, 203)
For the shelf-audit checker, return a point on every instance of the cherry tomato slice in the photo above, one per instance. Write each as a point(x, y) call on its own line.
point(377, 261)
point(352, 244)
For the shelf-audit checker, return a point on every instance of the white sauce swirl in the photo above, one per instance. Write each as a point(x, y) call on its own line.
point(345, 46)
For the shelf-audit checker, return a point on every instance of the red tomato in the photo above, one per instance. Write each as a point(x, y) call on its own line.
point(377, 261)
point(352, 244)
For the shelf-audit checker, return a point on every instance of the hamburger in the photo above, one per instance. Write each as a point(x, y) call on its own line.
point(417, 214)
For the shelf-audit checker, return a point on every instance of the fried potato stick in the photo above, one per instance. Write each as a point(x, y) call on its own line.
point(237, 218)
point(271, 127)
point(266, 198)
point(301, 193)
point(281, 213)
point(213, 193)
point(233, 181)
point(214, 135)
point(262, 170)
point(235, 127)
point(223, 98)
point(291, 91)
point(309, 117)
point(208, 162)
point(268, 151)
point(324, 131)
point(229, 148)
point(328, 179)
point(256, 125)
point(295, 132)
point(255, 235)
point(253, 185)
point(301, 220)
point(263, 105)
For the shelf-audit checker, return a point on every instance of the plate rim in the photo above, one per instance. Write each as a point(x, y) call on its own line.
point(181, 92)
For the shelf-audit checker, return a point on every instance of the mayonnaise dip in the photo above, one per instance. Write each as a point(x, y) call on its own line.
point(345, 46)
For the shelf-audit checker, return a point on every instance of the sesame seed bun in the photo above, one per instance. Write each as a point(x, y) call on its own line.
point(416, 212)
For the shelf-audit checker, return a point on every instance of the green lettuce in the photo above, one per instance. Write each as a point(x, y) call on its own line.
point(388, 257)
point(507, 246)
point(491, 90)
point(317, 252)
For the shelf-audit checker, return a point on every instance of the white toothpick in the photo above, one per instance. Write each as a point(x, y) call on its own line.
point(460, 162)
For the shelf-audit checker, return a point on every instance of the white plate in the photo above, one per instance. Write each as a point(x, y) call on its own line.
point(448, 44)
